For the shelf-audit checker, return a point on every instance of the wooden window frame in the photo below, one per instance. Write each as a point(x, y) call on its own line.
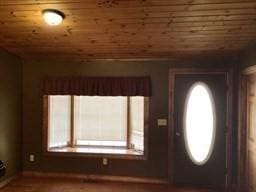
point(128, 141)
point(72, 144)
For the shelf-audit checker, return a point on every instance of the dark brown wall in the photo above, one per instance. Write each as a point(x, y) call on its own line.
point(156, 165)
point(10, 112)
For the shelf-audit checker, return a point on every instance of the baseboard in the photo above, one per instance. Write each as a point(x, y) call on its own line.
point(241, 189)
point(94, 177)
point(7, 181)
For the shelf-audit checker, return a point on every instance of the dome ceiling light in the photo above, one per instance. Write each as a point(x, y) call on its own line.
point(53, 17)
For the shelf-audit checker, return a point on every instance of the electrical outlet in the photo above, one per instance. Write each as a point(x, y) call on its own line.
point(161, 122)
point(31, 158)
point(104, 161)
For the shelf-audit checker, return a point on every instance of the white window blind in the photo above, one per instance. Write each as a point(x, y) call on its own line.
point(100, 121)
point(59, 120)
point(137, 123)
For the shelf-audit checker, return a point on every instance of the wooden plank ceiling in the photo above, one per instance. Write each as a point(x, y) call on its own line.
point(126, 29)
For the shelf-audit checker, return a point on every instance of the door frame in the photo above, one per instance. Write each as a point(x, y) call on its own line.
point(242, 127)
point(171, 145)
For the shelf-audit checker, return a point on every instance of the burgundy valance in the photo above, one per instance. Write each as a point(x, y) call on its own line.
point(100, 86)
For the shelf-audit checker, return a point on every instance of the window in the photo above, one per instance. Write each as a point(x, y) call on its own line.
point(199, 123)
point(60, 125)
point(96, 124)
point(101, 121)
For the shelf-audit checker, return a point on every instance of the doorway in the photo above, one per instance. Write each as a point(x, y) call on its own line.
point(247, 131)
point(200, 127)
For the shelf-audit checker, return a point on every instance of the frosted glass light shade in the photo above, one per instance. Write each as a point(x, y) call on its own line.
point(53, 17)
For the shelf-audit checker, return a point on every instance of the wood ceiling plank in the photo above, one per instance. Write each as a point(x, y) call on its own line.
point(167, 8)
point(141, 20)
point(122, 14)
point(136, 27)
point(164, 23)
point(119, 3)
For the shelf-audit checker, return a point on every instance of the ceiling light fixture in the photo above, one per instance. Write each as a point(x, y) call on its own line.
point(53, 17)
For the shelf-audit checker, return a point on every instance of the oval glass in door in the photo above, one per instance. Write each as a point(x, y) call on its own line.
point(199, 123)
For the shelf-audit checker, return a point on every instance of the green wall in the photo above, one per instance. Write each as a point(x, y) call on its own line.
point(156, 165)
point(249, 57)
point(10, 112)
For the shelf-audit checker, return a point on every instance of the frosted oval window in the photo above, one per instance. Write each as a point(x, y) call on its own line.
point(199, 123)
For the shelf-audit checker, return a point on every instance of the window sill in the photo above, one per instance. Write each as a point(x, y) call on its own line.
point(97, 152)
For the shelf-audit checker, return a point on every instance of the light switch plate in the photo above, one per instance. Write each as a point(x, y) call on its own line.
point(104, 161)
point(31, 158)
point(161, 122)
